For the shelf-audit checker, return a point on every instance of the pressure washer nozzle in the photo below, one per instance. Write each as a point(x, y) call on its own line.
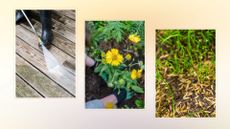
point(40, 42)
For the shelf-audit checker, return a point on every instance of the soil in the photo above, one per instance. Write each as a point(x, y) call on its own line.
point(96, 87)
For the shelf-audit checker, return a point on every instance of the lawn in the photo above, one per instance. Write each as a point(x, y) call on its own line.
point(185, 73)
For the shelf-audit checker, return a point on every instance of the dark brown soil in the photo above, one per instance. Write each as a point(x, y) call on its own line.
point(96, 87)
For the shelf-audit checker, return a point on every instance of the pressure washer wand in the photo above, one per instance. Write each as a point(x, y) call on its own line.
point(35, 32)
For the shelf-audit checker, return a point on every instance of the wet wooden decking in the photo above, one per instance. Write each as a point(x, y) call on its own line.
point(33, 79)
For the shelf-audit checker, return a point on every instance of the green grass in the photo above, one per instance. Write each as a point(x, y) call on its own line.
point(188, 55)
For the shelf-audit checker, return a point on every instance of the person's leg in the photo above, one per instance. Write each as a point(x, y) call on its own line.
point(46, 21)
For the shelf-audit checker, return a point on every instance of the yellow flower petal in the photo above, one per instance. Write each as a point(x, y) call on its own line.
point(139, 73)
point(135, 74)
point(120, 58)
point(114, 51)
point(108, 57)
point(134, 38)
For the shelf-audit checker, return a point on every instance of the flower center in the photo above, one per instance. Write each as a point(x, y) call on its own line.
point(114, 57)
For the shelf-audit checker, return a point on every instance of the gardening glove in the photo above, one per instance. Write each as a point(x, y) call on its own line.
point(46, 21)
point(120, 94)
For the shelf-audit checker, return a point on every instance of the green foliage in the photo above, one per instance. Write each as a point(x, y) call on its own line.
point(114, 30)
point(186, 48)
point(118, 77)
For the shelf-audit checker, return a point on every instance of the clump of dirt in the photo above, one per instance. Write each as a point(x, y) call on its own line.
point(96, 87)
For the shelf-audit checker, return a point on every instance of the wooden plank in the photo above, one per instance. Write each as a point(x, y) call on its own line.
point(68, 13)
point(31, 39)
point(58, 17)
point(38, 81)
point(24, 90)
point(59, 41)
point(36, 58)
point(64, 31)
point(70, 23)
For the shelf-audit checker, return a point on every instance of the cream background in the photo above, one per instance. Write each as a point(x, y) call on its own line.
point(70, 113)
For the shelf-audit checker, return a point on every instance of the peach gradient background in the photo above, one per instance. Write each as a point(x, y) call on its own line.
point(70, 113)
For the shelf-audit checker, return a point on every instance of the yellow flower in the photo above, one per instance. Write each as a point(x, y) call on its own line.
point(113, 57)
point(128, 57)
point(134, 38)
point(135, 74)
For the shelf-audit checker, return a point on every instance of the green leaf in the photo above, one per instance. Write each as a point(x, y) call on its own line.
point(98, 60)
point(98, 68)
point(104, 68)
point(104, 76)
point(137, 89)
point(129, 95)
point(139, 103)
point(123, 65)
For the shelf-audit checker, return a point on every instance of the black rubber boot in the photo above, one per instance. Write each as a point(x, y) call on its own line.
point(47, 34)
point(19, 16)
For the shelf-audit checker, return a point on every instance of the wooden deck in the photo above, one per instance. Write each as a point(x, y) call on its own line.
point(32, 76)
